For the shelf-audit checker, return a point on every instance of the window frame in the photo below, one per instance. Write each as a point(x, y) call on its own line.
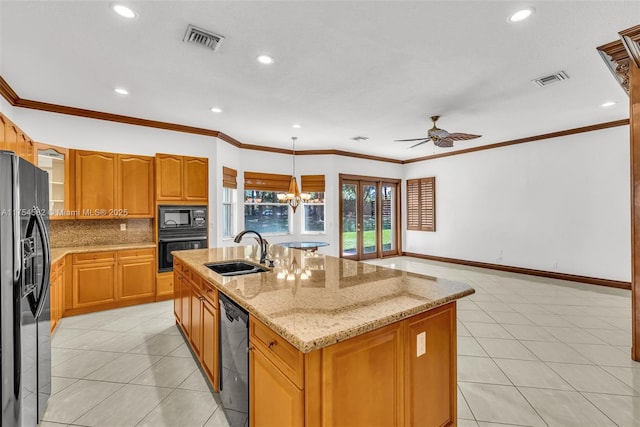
point(276, 203)
point(303, 225)
point(233, 193)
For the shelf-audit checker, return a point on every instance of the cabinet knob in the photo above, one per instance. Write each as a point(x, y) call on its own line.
point(272, 344)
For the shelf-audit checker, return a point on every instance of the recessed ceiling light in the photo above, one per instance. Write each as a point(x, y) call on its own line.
point(609, 104)
point(296, 126)
point(121, 91)
point(123, 11)
point(265, 59)
point(521, 15)
point(216, 110)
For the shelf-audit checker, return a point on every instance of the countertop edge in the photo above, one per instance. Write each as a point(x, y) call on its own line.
point(58, 253)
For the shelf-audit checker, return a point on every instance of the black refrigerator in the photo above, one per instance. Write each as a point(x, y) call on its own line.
point(24, 294)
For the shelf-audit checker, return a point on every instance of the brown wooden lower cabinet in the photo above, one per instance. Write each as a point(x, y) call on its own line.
point(164, 286)
point(195, 306)
point(56, 292)
point(274, 400)
point(380, 378)
point(110, 279)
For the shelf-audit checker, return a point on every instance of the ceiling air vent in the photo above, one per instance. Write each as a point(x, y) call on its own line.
point(202, 37)
point(547, 80)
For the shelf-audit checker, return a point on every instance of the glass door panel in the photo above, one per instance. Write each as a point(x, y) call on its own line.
point(369, 215)
point(369, 235)
point(388, 196)
point(349, 219)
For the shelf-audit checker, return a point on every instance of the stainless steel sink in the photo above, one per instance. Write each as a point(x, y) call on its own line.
point(235, 268)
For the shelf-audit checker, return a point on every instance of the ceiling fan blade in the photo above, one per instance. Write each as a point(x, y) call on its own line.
point(407, 140)
point(420, 143)
point(462, 136)
point(444, 142)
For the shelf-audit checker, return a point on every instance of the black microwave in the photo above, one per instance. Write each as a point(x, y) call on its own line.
point(181, 217)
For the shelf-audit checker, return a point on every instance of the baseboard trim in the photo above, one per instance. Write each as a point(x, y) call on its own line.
point(530, 271)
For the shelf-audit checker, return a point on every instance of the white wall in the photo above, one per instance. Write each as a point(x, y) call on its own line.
point(560, 205)
point(557, 205)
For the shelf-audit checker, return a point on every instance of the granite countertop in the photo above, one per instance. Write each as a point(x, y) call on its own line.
point(314, 300)
point(58, 253)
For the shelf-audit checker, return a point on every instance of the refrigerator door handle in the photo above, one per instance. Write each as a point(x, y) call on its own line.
point(44, 236)
point(15, 213)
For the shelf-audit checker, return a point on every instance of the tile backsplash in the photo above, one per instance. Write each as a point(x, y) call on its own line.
point(100, 232)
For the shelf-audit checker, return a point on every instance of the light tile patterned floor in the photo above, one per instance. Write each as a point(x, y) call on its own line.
point(531, 352)
point(536, 352)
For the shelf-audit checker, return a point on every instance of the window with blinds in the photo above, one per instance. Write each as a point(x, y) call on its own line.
point(229, 197)
point(263, 212)
point(229, 177)
point(421, 204)
point(313, 209)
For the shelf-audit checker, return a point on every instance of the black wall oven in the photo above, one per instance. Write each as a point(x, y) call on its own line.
point(180, 228)
point(166, 246)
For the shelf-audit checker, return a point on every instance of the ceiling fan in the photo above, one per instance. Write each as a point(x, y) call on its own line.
point(440, 137)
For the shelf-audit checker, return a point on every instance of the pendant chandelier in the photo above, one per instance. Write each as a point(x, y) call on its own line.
point(293, 196)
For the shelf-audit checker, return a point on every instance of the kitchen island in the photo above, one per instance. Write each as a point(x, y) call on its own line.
point(333, 342)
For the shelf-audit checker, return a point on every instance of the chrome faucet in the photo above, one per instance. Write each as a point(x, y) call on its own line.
point(263, 243)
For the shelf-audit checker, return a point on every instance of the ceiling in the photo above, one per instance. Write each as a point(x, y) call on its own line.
point(342, 68)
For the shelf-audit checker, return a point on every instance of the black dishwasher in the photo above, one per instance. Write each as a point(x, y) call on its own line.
point(234, 361)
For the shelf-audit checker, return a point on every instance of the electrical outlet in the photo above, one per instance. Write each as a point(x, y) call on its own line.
point(123, 227)
point(421, 344)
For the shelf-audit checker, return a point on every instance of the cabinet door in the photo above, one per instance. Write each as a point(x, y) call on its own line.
point(135, 186)
point(164, 284)
point(95, 184)
point(136, 278)
point(431, 392)
point(168, 177)
point(196, 320)
point(275, 401)
point(177, 296)
point(53, 300)
point(185, 298)
point(209, 348)
point(4, 124)
point(93, 284)
point(373, 362)
point(196, 181)
point(11, 137)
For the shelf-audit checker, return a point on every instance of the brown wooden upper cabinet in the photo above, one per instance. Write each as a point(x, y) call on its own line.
point(135, 184)
point(110, 185)
point(182, 178)
point(13, 139)
point(55, 160)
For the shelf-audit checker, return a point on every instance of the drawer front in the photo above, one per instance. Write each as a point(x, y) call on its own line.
point(91, 257)
point(285, 356)
point(137, 253)
point(209, 292)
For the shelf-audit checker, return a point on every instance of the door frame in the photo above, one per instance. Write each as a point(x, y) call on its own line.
point(379, 182)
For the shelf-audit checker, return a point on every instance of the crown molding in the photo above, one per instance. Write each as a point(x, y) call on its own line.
point(12, 98)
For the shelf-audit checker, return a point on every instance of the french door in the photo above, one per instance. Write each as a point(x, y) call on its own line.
point(369, 217)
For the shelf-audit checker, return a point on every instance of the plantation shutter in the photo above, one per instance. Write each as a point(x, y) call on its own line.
point(312, 183)
point(266, 182)
point(428, 204)
point(421, 204)
point(229, 177)
point(413, 204)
